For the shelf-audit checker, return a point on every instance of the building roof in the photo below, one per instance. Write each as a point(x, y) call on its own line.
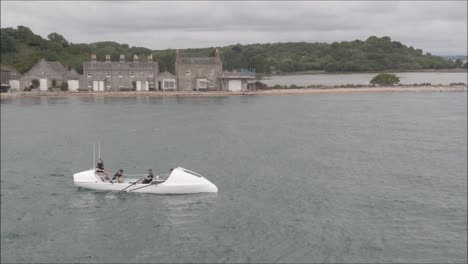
point(7, 68)
point(124, 65)
point(244, 74)
point(199, 60)
point(73, 74)
point(56, 66)
point(166, 75)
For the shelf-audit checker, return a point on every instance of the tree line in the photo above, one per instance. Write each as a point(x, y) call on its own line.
point(21, 49)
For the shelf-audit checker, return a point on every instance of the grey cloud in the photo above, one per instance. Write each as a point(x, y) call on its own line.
point(437, 27)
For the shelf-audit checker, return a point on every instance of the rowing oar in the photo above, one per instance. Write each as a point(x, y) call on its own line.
point(143, 186)
point(130, 185)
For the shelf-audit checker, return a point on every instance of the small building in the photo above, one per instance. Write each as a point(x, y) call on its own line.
point(48, 73)
point(120, 75)
point(10, 77)
point(198, 73)
point(166, 81)
point(236, 81)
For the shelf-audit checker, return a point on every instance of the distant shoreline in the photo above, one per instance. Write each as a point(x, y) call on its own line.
point(314, 72)
point(299, 91)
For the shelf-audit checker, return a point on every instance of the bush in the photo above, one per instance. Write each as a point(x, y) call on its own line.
point(260, 85)
point(385, 79)
point(64, 86)
point(54, 83)
point(126, 89)
point(35, 83)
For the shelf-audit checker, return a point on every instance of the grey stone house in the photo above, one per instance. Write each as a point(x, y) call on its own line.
point(47, 73)
point(120, 75)
point(198, 73)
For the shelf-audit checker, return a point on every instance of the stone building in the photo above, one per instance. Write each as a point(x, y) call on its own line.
point(120, 75)
point(7, 74)
point(48, 73)
point(166, 81)
point(198, 73)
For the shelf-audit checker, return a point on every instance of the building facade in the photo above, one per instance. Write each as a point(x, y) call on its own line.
point(48, 73)
point(199, 73)
point(120, 75)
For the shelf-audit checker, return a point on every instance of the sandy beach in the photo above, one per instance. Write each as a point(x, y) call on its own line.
point(300, 91)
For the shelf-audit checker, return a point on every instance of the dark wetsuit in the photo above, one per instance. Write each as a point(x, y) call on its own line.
point(100, 166)
point(117, 175)
point(148, 178)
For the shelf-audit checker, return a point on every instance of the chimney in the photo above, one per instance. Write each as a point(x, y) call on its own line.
point(135, 58)
point(177, 55)
point(150, 57)
point(93, 57)
point(108, 58)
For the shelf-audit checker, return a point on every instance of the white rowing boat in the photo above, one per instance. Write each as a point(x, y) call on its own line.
point(180, 181)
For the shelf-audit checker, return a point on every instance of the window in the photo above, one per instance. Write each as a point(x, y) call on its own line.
point(132, 74)
point(193, 173)
point(89, 74)
point(202, 83)
point(90, 84)
point(120, 74)
point(151, 74)
point(211, 71)
point(108, 74)
point(169, 84)
point(43, 72)
point(187, 84)
point(188, 72)
point(211, 83)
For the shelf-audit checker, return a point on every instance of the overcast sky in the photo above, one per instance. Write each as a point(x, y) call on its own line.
point(436, 27)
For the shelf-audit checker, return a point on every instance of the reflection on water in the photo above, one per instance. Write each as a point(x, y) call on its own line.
point(57, 100)
point(31, 101)
point(184, 209)
point(364, 78)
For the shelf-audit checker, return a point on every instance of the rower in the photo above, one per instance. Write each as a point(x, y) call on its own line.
point(103, 173)
point(149, 178)
point(119, 176)
point(100, 166)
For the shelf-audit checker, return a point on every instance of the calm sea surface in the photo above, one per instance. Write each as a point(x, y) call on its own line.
point(364, 78)
point(317, 178)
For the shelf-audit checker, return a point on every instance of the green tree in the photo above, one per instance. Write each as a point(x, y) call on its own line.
point(7, 43)
point(385, 79)
point(55, 37)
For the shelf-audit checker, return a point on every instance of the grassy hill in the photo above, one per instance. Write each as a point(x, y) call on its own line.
point(21, 49)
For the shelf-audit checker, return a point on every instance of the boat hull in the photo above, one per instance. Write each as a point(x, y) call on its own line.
point(175, 184)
